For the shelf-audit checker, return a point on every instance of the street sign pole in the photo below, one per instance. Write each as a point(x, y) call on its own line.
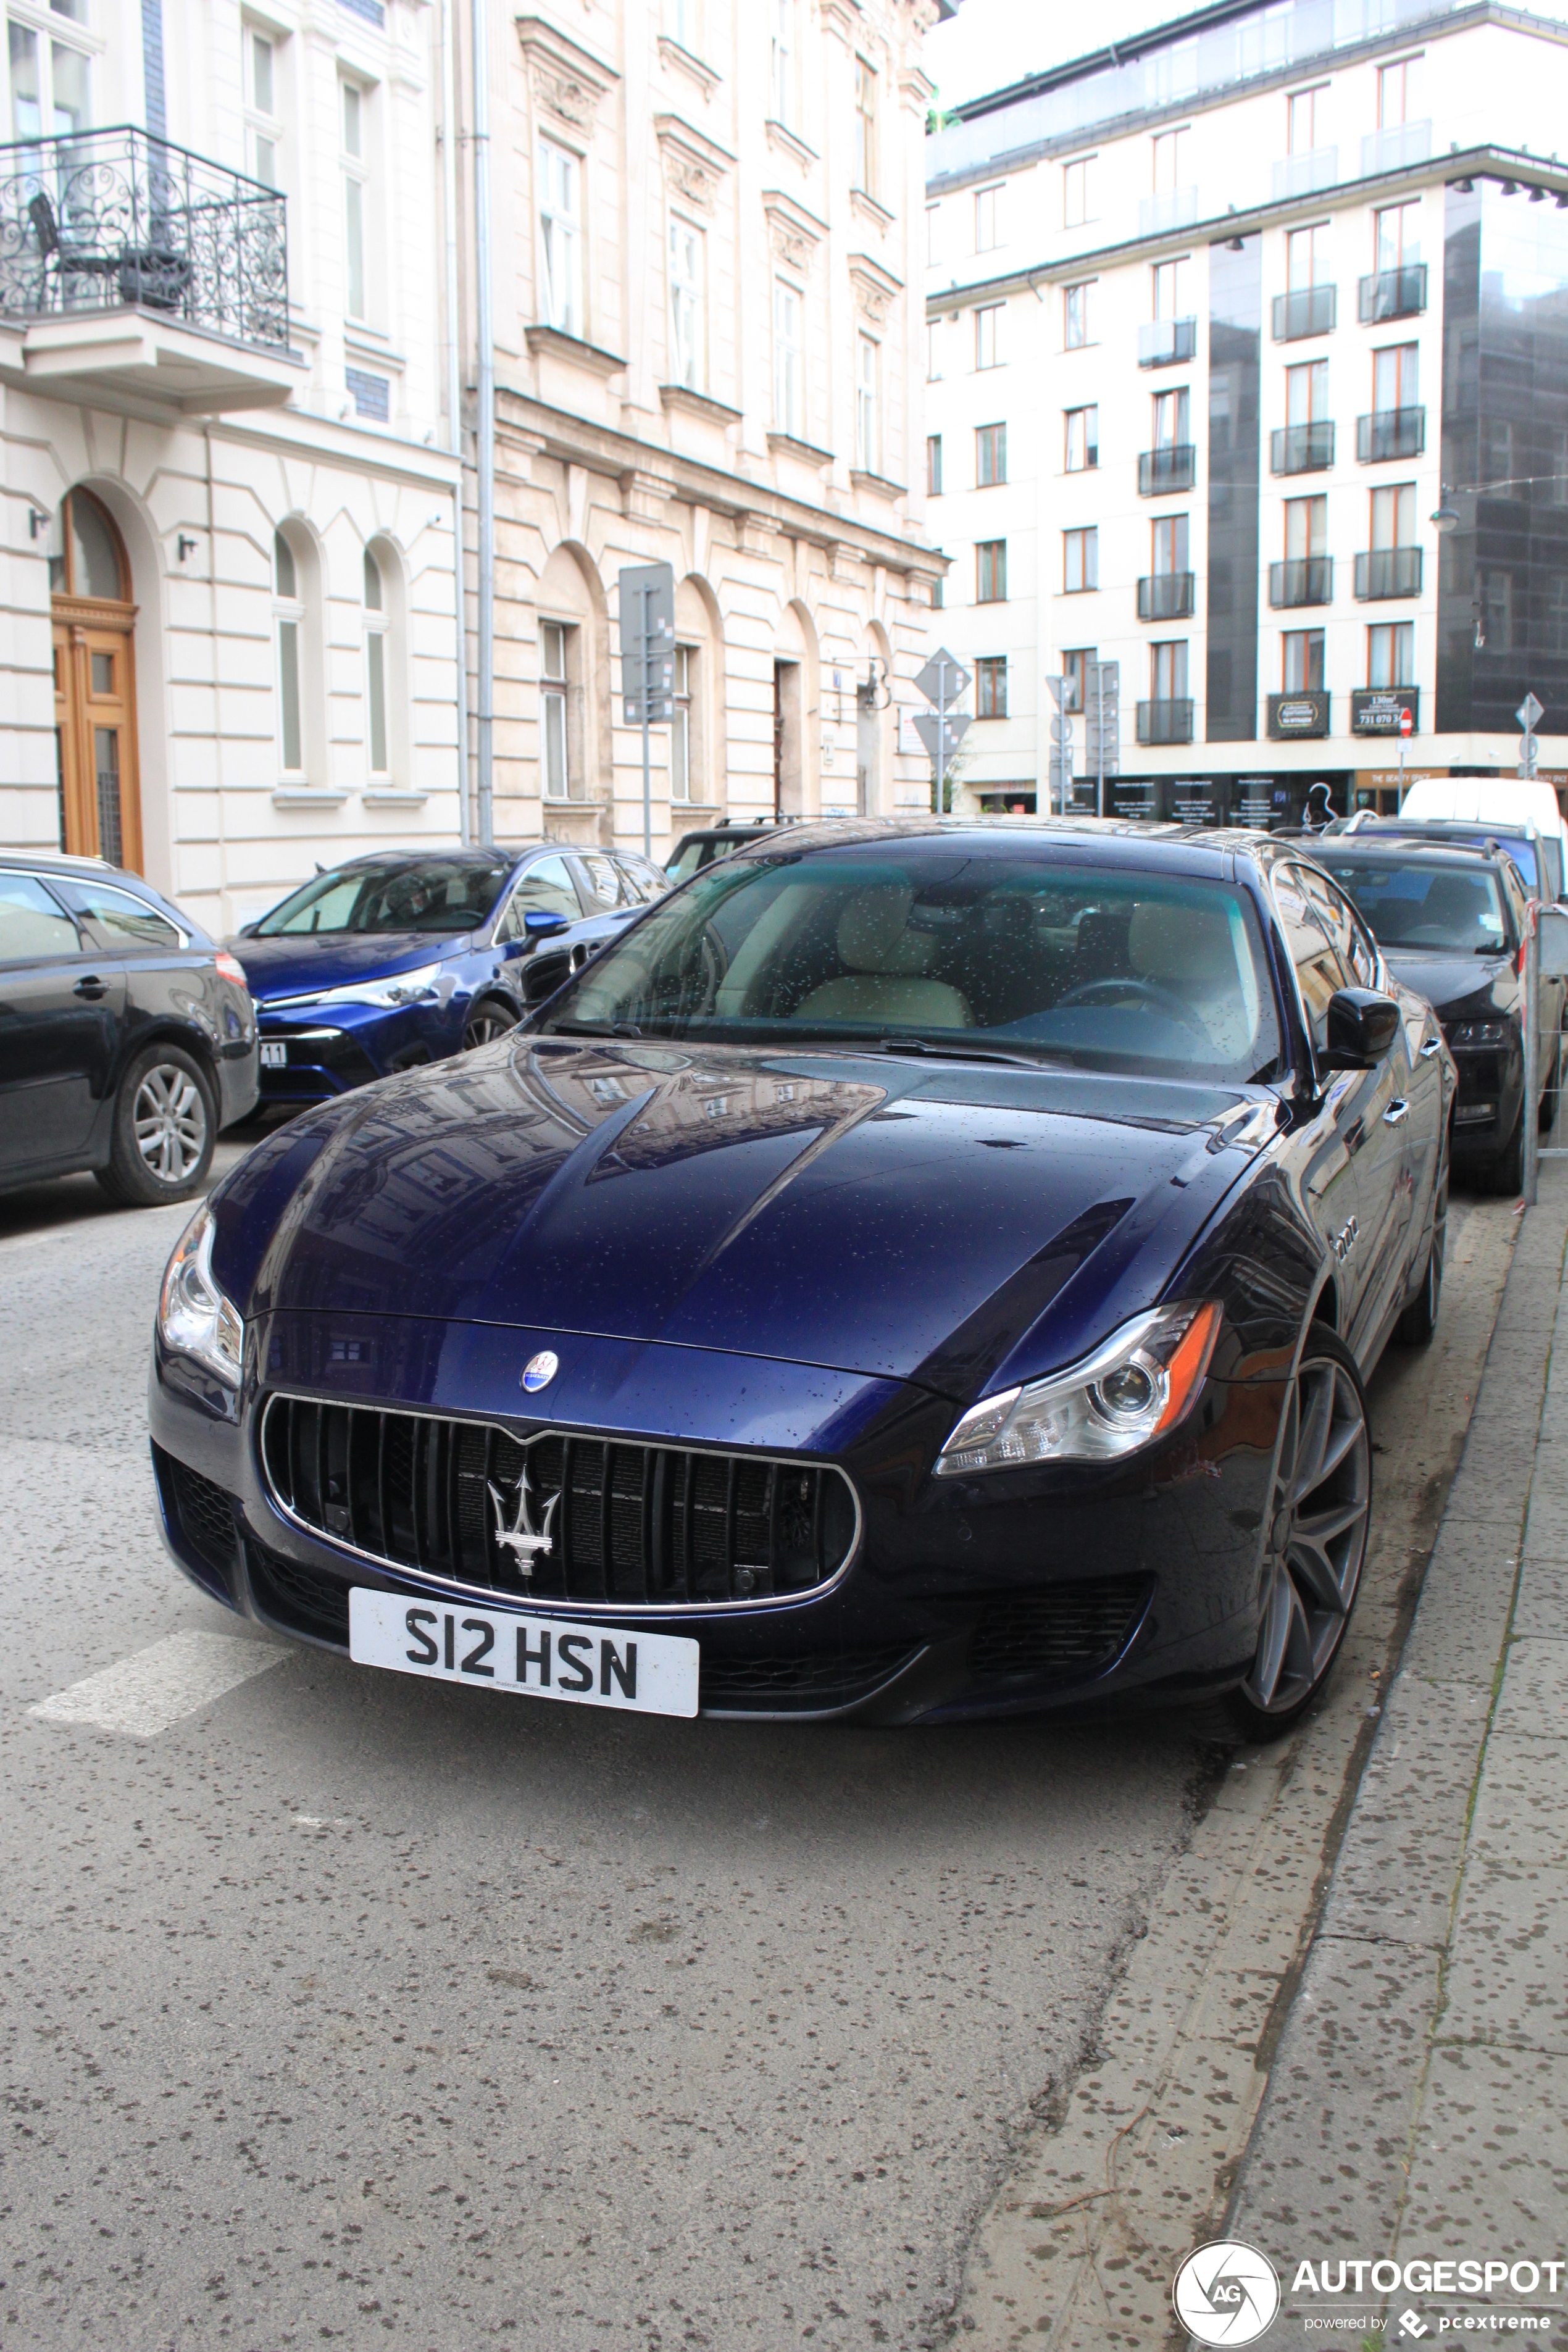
point(941, 760)
point(647, 697)
point(1099, 746)
point(941, 681)
point(1530, 714)
point(1531, 1048)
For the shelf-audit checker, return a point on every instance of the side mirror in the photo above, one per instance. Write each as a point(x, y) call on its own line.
point(1363, 1026)
point(540, 924)
point(247, 930)
point(1551, 938)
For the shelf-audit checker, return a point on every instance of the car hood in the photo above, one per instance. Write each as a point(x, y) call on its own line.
point(959, 1226)
point(1457, 986)
point(298, 964)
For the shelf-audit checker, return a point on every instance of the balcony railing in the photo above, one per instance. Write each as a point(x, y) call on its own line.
point(110, 220)
point(1166, 721)
point(1165, 596)
point(1392, 294)
point(1309, 311)
point(1302, 580)
point(1388, 572)
point(1303, 176)
point(1396, 149)
point(1390, 433)
point(1301, 449)
point(1175, 467)
point(1173, 208)
point(1164, 343)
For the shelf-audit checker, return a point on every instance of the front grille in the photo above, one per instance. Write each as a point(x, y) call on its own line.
point(832, 1679)
point(558, 1516)
point(1062, 1636)
point(205, 1514)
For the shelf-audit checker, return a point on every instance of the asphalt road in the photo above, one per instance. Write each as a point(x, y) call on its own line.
point(339, 2005)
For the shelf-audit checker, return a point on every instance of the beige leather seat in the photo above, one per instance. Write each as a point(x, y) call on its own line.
point(888, 963)
point(1189, 950)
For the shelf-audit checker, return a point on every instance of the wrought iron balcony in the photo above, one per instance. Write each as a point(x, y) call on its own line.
point(1165, 596)
point(1173, 467)
point(1392, 294)
point(1166, 721)
point(1301, 449)
point(115, 220)
point(1164, 343)
point(1388, 572)
point(1311, 311)
point(1390, 433)
point(1302, 580)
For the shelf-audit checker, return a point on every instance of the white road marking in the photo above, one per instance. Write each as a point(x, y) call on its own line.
point(144, 1694)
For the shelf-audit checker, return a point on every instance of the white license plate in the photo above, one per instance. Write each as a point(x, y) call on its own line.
point(274, 1054)
point(539, 1657)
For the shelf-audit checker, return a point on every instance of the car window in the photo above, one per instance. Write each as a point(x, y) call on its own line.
point(644, 880)
point(545, 887)
point(1318, 970)
point(33, 924)
point(121, 920)
point(435, 894)
point(607, 887)
point(687, 859)
point(1413, 903)
point(1356, 955)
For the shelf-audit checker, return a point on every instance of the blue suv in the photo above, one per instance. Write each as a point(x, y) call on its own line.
point(402, 957)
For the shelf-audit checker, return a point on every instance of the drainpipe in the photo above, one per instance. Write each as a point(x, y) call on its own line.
point(454, 392)
point(486, 424)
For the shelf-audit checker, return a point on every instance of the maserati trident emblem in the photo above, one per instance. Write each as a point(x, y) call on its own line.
point(540, 1371)
point(525, 1542)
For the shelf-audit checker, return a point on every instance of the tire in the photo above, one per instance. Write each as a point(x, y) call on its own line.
point(1419, 1319)
point(489, 1019)
point(1315, 1543)
point(165, 1125)
point(1506, 1171)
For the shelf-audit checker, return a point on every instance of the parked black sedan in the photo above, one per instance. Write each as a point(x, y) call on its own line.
point(916, 1271)
point(126, 1036)
point(1450, 920)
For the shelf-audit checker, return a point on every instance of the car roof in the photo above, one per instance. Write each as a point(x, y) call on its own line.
point(1363, 848)
point(1121, 841)
point(56, 861)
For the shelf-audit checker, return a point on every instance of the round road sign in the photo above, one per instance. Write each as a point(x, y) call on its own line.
point(1407, 724)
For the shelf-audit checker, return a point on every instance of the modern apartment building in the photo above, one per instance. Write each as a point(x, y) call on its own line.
point(708, 352)
point(1248, 372)
point(230, 627)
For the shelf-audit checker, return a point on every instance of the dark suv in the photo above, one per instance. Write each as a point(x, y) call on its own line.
point(127, 1035)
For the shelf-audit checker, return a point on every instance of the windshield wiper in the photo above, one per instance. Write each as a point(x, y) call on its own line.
point(592, 1029)
point(962, 1053)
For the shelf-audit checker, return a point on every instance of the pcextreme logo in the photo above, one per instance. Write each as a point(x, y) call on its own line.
point(1226, 2293)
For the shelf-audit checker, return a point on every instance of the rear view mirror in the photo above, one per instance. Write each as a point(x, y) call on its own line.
point(1552, 935)
point(1363, 1026)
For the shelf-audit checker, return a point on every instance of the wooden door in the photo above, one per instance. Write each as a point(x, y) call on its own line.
point(95, 715)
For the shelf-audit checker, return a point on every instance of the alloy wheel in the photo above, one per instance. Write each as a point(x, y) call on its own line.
point(484, 1027)
point(169, 1120)
point(1317, 1536)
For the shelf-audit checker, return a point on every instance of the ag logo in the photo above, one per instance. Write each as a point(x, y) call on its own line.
point(1227, 2294)
point(540, 1371)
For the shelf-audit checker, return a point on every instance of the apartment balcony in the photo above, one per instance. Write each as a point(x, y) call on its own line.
point(1301, 449)
point(136, 266)
point(1390, 433)
point(1388, 572)
point(1303, 176)
point(1166, 721)
point(1166, 342)
point(1297, 716)
point(1165, 596)
point(1172, 209)
point(1392, 294)
point(1302, 580)
point(1396, 149)
point(1175, 467)
point(1309, 311)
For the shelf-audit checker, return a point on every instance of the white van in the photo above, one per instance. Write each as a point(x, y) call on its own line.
point(1494, 800)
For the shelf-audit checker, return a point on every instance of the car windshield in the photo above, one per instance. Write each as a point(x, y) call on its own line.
point(697, 852)
point(1407, 904)
point(928, 947)
point(439, 894)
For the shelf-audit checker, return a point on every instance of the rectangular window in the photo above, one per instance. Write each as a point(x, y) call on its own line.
point(1171, 296)
point(988, 218)
point(354, 192)
point(1078, 192)
point(1394, 516)
point(1080, 561)
point(1075, 669)
point(681, 728)
point(991, 572)
point(1169, 542)
point(1393, 377)
point(263, 126)
point(868, 405)
point(1307, 393)
point(1082, 439)
point(864, 128)
point(987, 336)
point(688, 305)
point(990, 455)
point(553, 710)
point(1301, 119)
point(934, 351)
point(1398, 237)
point(561, 239)
point(788, 364)
point(1301, 671)
point(1172, 419)
point(48, 83)
point(1306, 257)
point(931, 211)
point(1391, 654)
point(1076, 327)
point(1306, 529)
point(991, 686)
point(683, 18)
point(933, 465)
point(1169, 160)
point(1168, 671)
point(783, 71)
point(1396, 98)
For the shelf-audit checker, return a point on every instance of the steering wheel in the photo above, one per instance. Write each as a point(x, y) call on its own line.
point(1147, 992)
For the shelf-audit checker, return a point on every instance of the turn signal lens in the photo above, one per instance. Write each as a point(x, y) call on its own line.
point(230, 968)
point(194, 1318)
point(1136, 1387)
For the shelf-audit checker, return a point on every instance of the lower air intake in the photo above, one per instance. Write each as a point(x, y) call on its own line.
point(1061, 1636)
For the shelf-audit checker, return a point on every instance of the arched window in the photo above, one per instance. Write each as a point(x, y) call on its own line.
point(95, 687)
point(289, 615)
point(376, 629)
point(299, 660)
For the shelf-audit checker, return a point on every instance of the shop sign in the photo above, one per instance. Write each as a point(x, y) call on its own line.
point(1306, 713)
point(1378, 709)
point(1388, 780)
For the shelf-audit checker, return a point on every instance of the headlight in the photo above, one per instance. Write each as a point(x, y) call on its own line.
point(194, 1318)
point(1478, 1033)
point(419, 987)
point(1136, 1387)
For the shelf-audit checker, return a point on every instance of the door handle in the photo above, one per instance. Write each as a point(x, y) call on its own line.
point(93, 987)
point(1433, 1045)
point(1396, 1114)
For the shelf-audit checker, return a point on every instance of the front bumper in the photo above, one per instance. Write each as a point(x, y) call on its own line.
point(331, 1052)
point(1024, 1591)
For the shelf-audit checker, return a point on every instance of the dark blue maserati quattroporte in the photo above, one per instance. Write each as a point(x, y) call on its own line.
point(915, 1272)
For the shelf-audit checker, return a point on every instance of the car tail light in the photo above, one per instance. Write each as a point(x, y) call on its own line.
point(230, 968)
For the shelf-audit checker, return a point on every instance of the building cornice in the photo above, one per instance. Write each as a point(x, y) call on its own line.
point(567, 80)
point(694, 164)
